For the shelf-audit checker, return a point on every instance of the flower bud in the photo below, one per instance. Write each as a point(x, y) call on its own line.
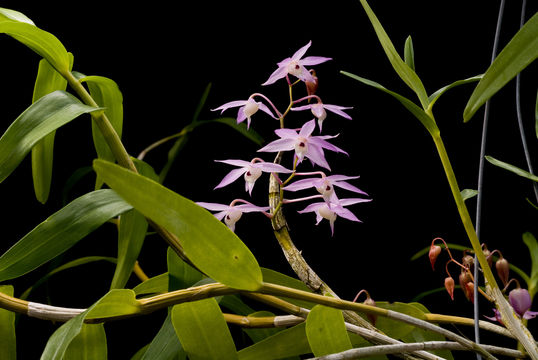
point(449, 286)
point(520, 300)
point(468, 261)
point(469, 290)
point(312, 86)
point(464, 279)
point(503, 270)
point(487, 254)
point(435, 250)
point(371, 302)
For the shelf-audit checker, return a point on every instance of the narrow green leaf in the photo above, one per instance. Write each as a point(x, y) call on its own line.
point(512, 168)
point(202, 330)
point(201, 103)
point(8, 348)
point(420, 114)
point(131, 235)
point(89, 344)
point(436, 95)
point(43, 43)
point(326, 331)
point(40, 119)
point(47, 81)
point(155, 285)
point(114, 303)
point(180, 274)
point(468, 194)
point(536, 115)
point(401, 68)
point(67, 266)
point(207, 242)
point(8, 14)
point(532, 244)
point(60, 231)
point(409, 53)
point(106, 94)
point(516, 55)
point(285, 343)
point(165, 345)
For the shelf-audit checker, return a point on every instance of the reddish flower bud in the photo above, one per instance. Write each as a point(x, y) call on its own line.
point(435, 250)
point(503, 270)
point(449, 286)
point(371, 302)
point(487, 254)
point(468, 261)
point(469, 290)
point(464, 279)
point(312, 86)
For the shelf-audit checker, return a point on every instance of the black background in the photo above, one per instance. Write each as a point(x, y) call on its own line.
point(163, 55)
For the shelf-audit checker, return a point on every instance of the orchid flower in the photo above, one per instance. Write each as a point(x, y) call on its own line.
point(304, 143)
point(318, 110)
point(325, 185)
point(232, 213)
point(331, 211)
point(521, 302)
point(247, 108)
point(295, 66)
point(251, 170)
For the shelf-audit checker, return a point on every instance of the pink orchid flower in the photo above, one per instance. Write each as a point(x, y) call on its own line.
point(304, 143)
point(521, 302)
point(318, 110)
point(295, 66)
point(325, 185)
point(251, 170)
point(232, 213)
point(331, 211)
point(247, 108)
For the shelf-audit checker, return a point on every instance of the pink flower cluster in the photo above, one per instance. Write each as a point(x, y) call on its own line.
point(301, 141)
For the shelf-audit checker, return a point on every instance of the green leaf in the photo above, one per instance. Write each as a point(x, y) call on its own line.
point(436, 95)
point(8, 348)
point(201, 103)
point(47, 81)
point(420, 114)
point(285, 343)
point(131, 235)
point(202, 330)
point(402, 69)
point(107, 95)
point(89, 344)
point(60, 231)
point(512, 168)
point(468, 194)
point(393, 328)
point(8, 14)
point(326, 331)
point(532, 244)
point(43, 43)
point(516, 55)
point(40, 119)
point(155, 285)
point(180, 274)
point(165, 345)
point(114, 303)
point(208, 243)
point(66, 266)
point(409, 53)
point(536, 115)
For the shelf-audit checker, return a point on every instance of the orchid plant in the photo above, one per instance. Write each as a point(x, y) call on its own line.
point(213, 281)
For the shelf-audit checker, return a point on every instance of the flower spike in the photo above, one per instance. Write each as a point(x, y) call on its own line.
point(295, 66)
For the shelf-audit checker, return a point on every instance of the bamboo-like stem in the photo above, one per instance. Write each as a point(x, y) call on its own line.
point(403, 348)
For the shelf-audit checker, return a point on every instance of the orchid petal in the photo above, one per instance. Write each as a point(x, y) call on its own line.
point(213, 206)
point(279, 73)
point(286, 133)
point(241, 115)
point(352, 201)
point(266, 110)
point(314, 60)
point(301, 184)
point(231, 177)
point(279, 145)
point(319, 141)
point(530, 315)
point(316, 155)
point(347, 186)
point(307, 128)
point(311, 207)
point(235, 162)
point(336, 177)
point(299, 53)
point(270, 167)
point(251, 208)
point(338, 110)
point(230, 104)
point(300, 108)
point(346, 214)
